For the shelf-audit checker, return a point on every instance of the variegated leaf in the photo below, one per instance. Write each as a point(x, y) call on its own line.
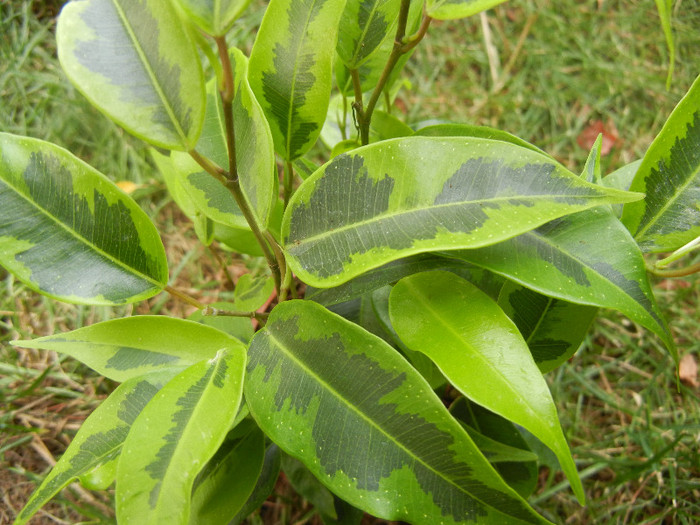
point(586, 258)
point(481, 353)
point(136, 63)
point(553, 329)
point(98, 441)
point(214, 17)
point(319, 385)
point(203, 225)
point(417, 194)
point(129, 347)
point(451, 9)
point(669, 216)
point(70, 233)
point(291, 69)
point(174, 436)
point(364, 25)
point(371, 69)
point(255, 157)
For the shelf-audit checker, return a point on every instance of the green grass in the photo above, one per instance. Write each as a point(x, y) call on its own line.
point(635, 436)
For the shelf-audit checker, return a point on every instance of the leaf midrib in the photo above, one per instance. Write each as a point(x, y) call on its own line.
point(407, 211)
point(82, 239)
point(464, 344)
point(669, 203)
point(539, 238)
point(363, 34)
point(154, 79)
point(292, 107)
point(370, 422)
point(187, 430)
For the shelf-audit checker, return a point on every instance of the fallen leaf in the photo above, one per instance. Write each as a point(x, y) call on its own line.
point(688, 371)
point(590, 133)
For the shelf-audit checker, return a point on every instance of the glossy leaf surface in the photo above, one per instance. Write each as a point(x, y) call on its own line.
point(291, 69)
point(553, 329)
point(174, 437)
point(98, 441)
point(571, 259)
point(214, 17)
point(318, 385)
point(255, 157)
point(466, 130)
point(451, 9)
point(480, 352)
point(363, 26)
point(669, 216)
point(121, 349)
point(228, 479)
point(134, 61)
point(371, 69)
point(70, 233)
point(417, 194)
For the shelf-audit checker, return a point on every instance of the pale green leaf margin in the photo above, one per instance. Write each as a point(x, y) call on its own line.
point(452, 9)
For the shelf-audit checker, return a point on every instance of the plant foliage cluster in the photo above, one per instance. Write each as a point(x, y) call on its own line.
point(450, 255)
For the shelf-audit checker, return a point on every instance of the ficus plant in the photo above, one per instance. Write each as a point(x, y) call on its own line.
point(423, 279)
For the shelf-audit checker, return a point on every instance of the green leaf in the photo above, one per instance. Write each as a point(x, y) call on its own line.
point(452, 9)
point(98, 441)
point(371, 69)
point(251, 293)
point(100, 477)
point(417, 194)
point(669, 216)
point(592, 171)
point(364, 25)
point(227, 481)
point(174, 437)
point(121, 349)
point(621, 179)
point(239, 240)
point(214, 17)
point(255, 157)
point(587, 258)
point(263, 488)
point(137, 64)
point(521, 475)
point(385, 126)
point(553, 329)
point(419, 361)
point(68, 232)
point(319, 385)
point(203, 225)
point(481, 353)
point(466, 130)
point(379, 277)
point(305, 484)
point(291, 70)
